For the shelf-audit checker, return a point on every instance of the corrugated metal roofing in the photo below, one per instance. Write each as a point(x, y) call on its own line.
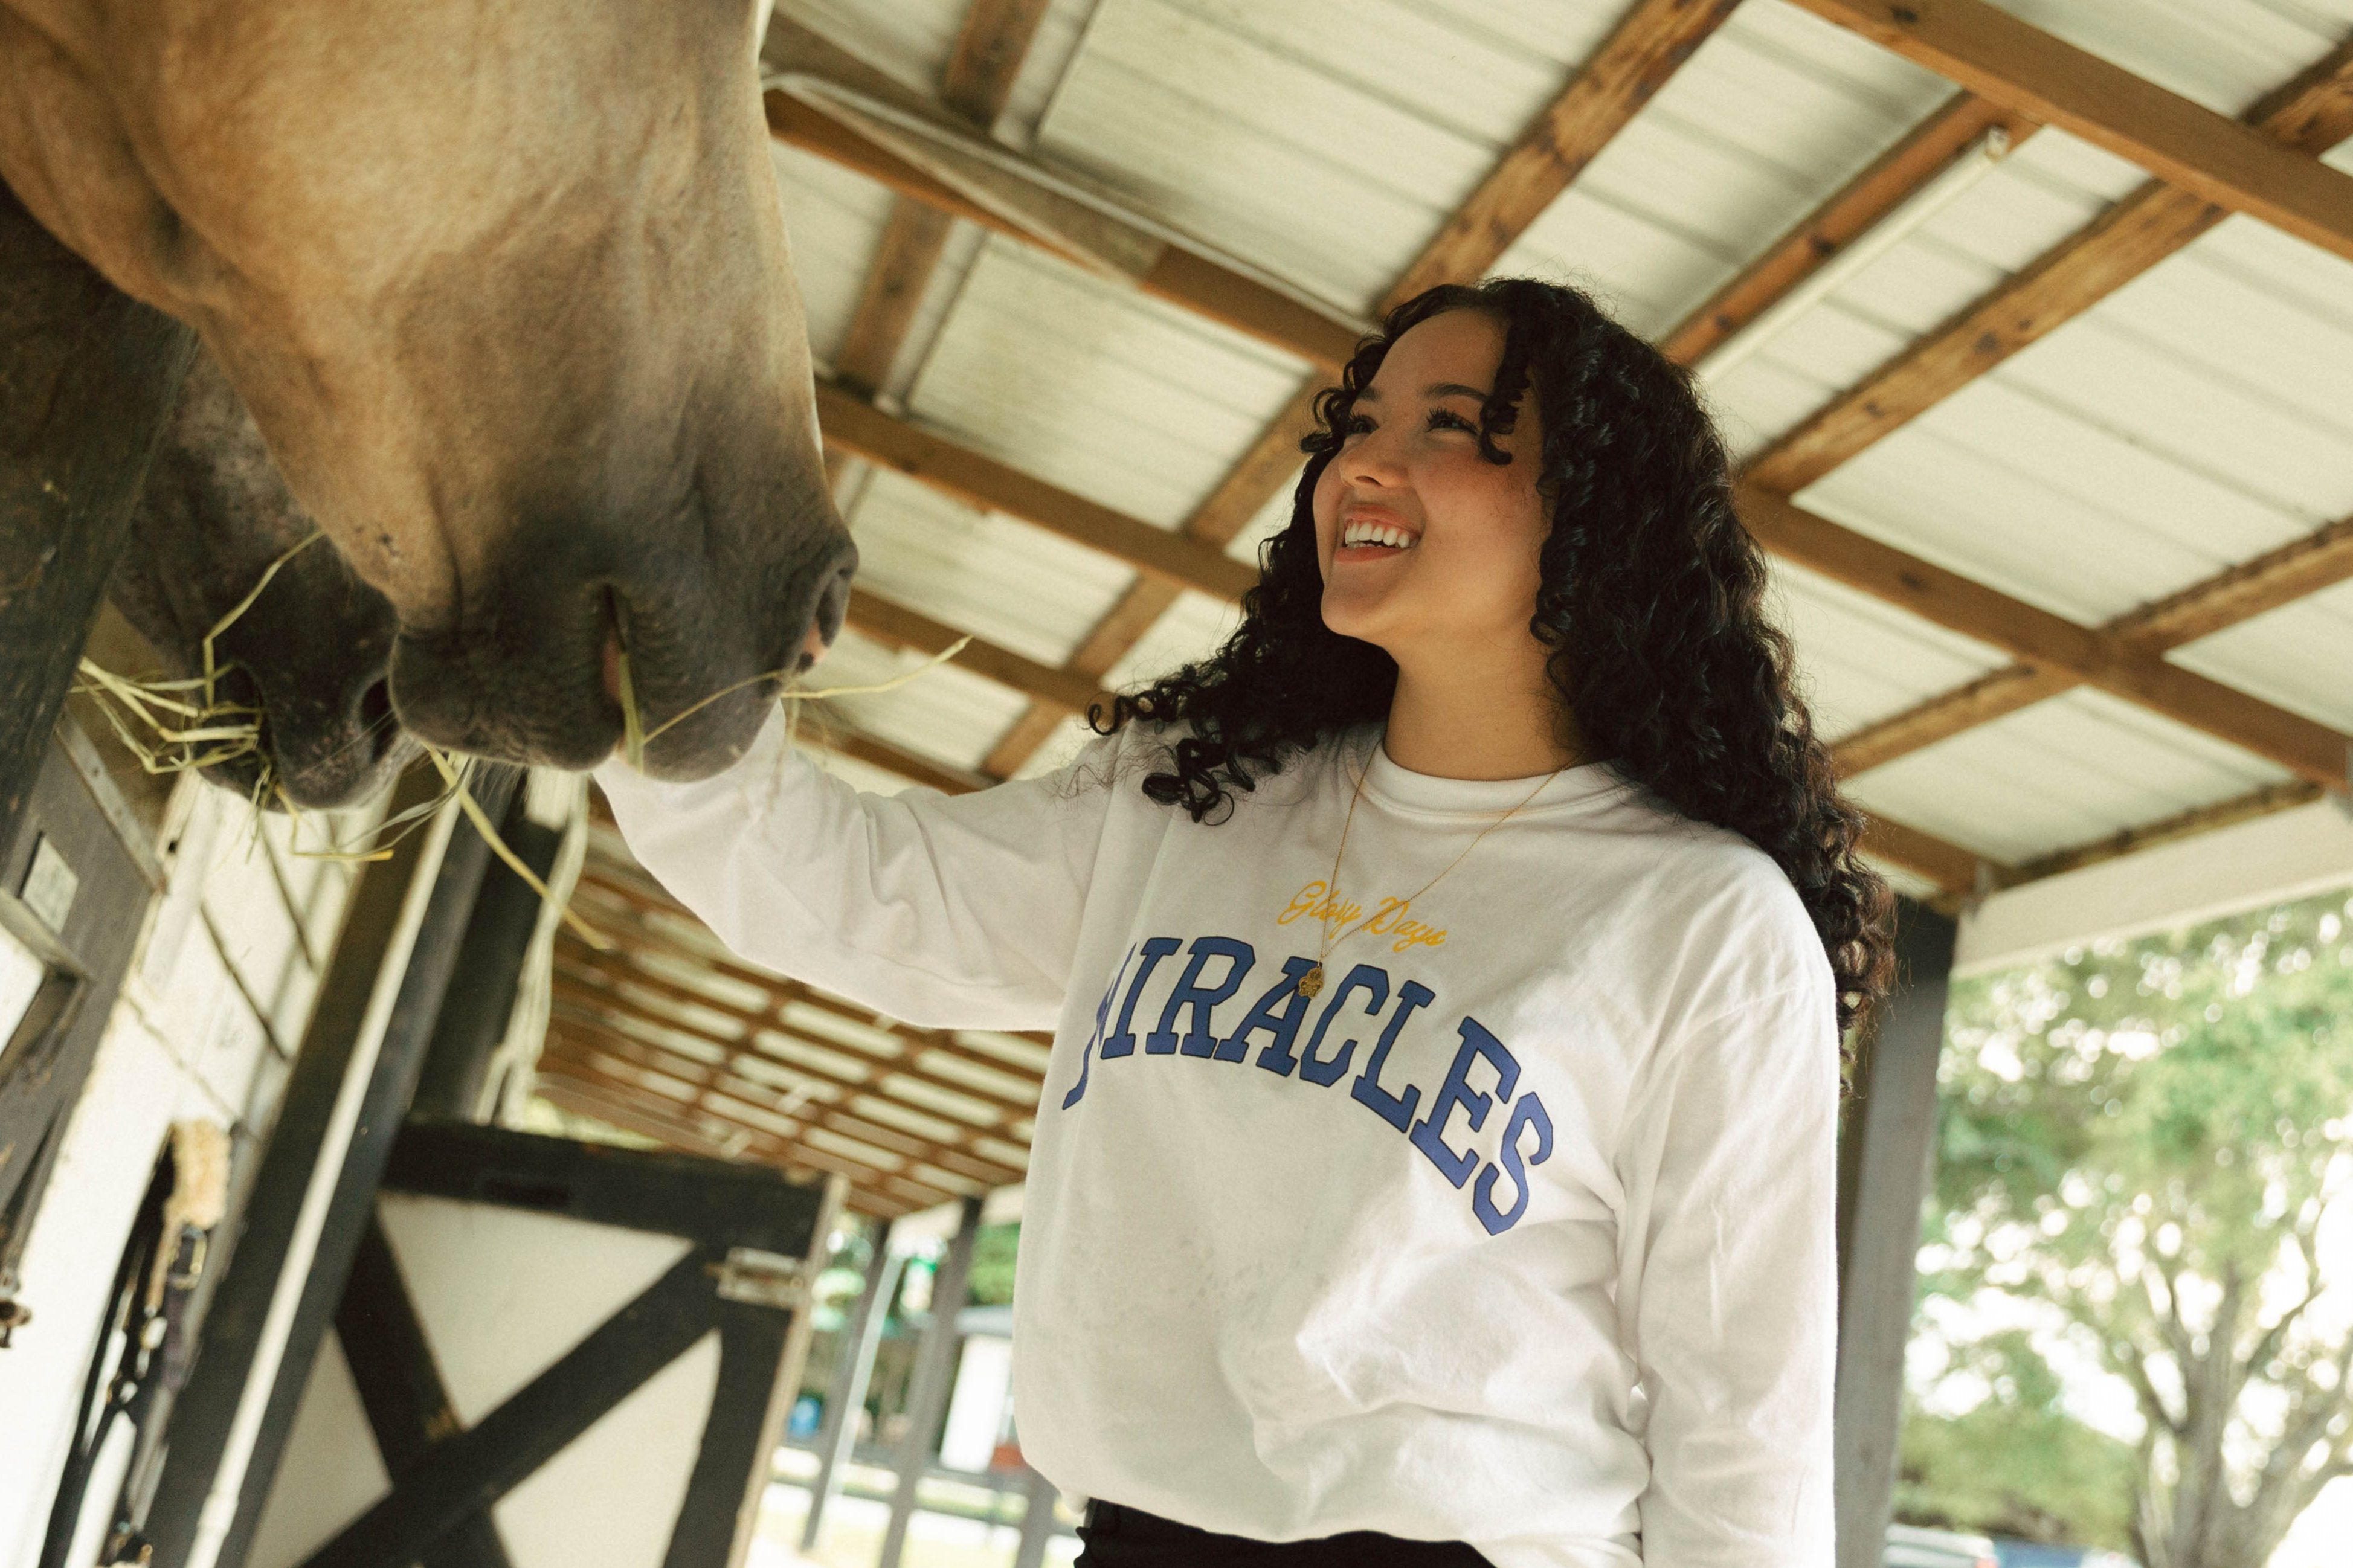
point(2198, 416)
point(2191, 421)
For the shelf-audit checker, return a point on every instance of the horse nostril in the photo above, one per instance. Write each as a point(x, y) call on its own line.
point(375, 716)
point(825, 625)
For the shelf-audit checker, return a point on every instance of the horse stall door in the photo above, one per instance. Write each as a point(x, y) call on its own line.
point(190, 1060)
point(74, 889)
point(551, 1355)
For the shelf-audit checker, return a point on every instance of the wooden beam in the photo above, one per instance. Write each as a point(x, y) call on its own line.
point(720, 1080)
point(1950, 867)
point(899, 627)
point(2188, 146)
point(2310, 750)
point(2321, 559)
point(570, 1088)
point(1650, 44)
point(859, 427)
point(989, 50)
point(609, 969)
point(1179, 274)
point(2306, 117)
point(1935, 145)
point(2169, 829)
point(1991, 696)
point(591, 988)
point(904, 259)
point(2278, 577)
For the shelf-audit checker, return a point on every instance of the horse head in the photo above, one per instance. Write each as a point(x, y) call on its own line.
point(306, 654)
point(505, 286)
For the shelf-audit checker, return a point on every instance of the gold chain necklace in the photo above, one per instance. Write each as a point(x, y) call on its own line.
point(1312, 982)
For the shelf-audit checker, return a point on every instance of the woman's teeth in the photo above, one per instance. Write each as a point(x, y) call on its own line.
point(1377, 533)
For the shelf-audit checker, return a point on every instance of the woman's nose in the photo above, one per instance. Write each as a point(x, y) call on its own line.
point(1372, 460)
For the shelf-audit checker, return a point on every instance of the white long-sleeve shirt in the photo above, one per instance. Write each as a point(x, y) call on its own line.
point(1519, 1233)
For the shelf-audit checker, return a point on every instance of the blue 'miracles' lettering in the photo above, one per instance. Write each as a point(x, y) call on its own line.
point(1528, 1112)
point(1394, 1109)
point(1326, 1070)
point(1279, 1013)
point(1103, 1016)
point(1123, 1043)
point(1201, 1038)
point(1430, 1134)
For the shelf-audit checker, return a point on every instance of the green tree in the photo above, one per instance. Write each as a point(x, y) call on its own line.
point(2147, 1136)
point(2016, 1463)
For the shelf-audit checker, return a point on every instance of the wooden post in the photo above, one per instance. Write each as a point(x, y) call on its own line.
point(1036, 1521)
point(87, 377)
point(861, 1337)
point(1885, 1153)
point(315, 1191)
point(927, 1399)
point(480, 997)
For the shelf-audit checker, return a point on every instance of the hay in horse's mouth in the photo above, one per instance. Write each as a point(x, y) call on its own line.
point(187, 722)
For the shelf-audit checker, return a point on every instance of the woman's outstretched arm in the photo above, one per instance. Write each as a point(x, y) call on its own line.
point(937, 909)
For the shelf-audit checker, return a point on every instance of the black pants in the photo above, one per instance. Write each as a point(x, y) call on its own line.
point(1120, 1537)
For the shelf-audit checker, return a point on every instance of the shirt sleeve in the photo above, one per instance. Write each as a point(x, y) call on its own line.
point(1730, 1168)
point(957, 910)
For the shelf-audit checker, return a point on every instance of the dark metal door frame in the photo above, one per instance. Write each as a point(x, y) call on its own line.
point(755, 1241)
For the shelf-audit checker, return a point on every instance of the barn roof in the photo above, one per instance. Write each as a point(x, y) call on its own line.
point(2032, 324)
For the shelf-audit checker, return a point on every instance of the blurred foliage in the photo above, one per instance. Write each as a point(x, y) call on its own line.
point(2145, 1136)
point(2017, 1464)
point(992, 1264)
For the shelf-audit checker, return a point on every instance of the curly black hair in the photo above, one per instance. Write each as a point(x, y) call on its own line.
point(1651, 600)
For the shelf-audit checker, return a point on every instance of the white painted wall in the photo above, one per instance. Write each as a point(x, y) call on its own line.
point(219, 993)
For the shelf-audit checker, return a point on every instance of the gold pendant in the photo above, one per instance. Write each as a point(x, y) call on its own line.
point(1312, 981)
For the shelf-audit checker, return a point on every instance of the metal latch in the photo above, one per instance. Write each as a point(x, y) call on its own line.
point(760, 1279)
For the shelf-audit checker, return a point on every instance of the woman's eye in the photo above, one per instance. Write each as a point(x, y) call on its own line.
point(1358, 424)
point(1447, 419)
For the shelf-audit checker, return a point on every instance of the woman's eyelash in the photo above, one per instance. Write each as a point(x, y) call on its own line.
point(1440, 419)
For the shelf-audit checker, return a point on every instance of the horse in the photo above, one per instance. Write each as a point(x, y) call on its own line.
point(306, 655)
point(505, 286)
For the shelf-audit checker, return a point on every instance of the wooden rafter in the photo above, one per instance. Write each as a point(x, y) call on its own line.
point(632, 992)
point(2206, 155)
point(1176, 272)
point(977, 84)
point(895, 625)
point(601, 878)
point(2276, 578)
point(981, 481)
point(574, 1087)
point(2308, 116)
point(632, 1042)
point(2312, 751)
point(713, 1085)
point(1648, 45)
point(1934, 146)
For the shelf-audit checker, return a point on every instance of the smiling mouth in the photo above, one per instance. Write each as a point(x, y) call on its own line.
point(1367, 533)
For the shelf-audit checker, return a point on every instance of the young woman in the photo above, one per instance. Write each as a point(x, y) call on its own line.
point(1435, 1163)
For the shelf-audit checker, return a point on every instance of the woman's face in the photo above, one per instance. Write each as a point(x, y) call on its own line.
point(1426, 546)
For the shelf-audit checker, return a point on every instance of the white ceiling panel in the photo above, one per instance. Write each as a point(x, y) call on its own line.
point(2300, 657)
point(1192, 628)
point(1087, 384)
point(2058, 775)
point(1861, 659)
point(1009, 582)
point(947, 714)
point(834, 220)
